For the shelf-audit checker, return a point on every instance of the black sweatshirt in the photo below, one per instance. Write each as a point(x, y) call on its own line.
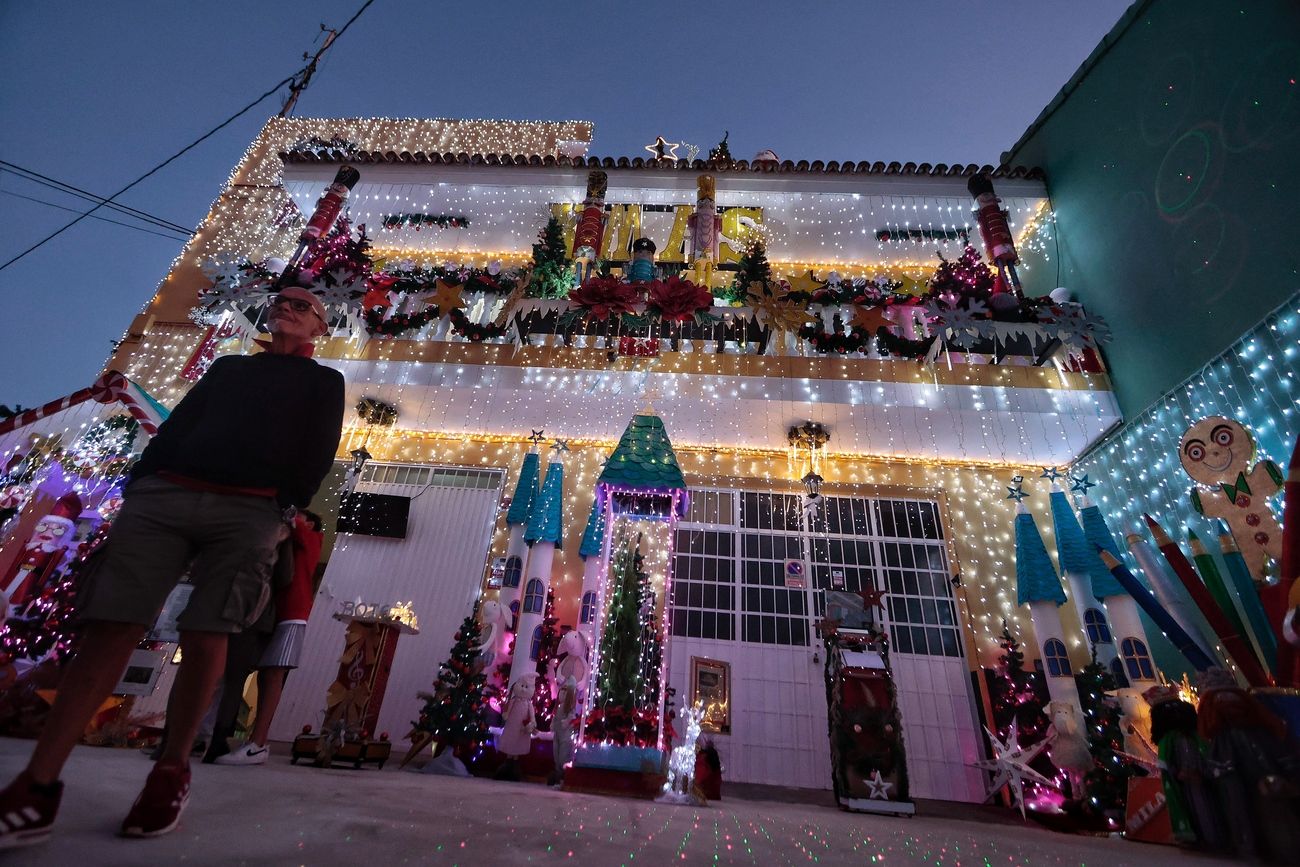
point(254, 421)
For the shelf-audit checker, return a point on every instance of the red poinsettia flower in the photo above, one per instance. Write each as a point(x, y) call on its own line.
point(678, 300)
point(603, 296)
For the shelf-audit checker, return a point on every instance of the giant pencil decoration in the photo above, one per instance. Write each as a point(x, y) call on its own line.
point(1168, 591)
point(1243, 587)
point(1162, 618)
point(1213, 581)
point(1232, 642)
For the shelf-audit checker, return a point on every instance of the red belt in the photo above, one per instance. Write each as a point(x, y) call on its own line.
point(213, 487)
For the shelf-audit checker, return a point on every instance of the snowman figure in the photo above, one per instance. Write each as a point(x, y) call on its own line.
point(1217, 453)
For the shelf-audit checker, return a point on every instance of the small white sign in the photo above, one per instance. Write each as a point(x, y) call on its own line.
point(141, 675)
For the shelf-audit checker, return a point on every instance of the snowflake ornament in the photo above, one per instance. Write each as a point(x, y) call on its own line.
point(1076, 328)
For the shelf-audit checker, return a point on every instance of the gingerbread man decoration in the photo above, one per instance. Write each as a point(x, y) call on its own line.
point(1217, 453)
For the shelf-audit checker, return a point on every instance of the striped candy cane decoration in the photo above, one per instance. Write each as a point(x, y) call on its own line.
point(112, 387)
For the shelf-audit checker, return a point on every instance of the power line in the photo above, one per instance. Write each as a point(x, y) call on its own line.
point(95, 216)
point(183, 150)
point(64, 187)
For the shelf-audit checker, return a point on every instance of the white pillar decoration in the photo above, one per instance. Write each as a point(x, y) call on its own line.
point(544, 533)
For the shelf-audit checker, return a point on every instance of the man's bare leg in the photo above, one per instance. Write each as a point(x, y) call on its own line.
point(270, 686)
point(203, 658)
point(89, 679)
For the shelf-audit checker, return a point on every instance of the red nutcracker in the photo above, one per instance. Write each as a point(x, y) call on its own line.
point(52, 536)
point(589, 235)
point(327, 211)
point(998, 241)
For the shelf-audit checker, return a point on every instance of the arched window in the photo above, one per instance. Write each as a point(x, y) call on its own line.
point(1094, 621)
point(514, 615)
point(588, 614)
point(533, 596)
point(514, 571)
point(1137, 660)
point(1117, 672)
point(537, 643)
point(1055, 659)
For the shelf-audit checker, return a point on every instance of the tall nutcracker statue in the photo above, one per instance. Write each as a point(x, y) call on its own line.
point(44, 550)
point(706, 231)
point(995, 229)
point(590, 233)
point(322, 219)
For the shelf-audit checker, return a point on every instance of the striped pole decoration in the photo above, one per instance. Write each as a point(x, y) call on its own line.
point(110, 388)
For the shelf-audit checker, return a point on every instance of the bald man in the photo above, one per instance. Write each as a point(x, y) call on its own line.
point(213, 492)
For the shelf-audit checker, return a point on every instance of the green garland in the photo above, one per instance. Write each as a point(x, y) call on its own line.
point(416, 280)
point(442, 221)
point(403, 322)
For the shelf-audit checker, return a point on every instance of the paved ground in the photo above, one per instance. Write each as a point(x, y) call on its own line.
point(281, 814)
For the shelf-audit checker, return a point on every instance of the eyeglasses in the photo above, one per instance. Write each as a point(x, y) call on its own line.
point(297, 305)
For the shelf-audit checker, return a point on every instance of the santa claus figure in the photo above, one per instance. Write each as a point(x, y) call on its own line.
point(51, 538)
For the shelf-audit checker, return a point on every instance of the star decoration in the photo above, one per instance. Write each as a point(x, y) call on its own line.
point(1015, 492)
point(1010, 765)
point(537, 436)
point(1050, 473)
point(871, 598)
point(777, 312)
point(879, 786)
point(446, 297)
point(560, 445)
point(870, 319)
point(805, 282)
point(1080, 484)
point(662, 149)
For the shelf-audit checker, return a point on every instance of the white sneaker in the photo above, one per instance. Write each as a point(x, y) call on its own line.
point(249, 754)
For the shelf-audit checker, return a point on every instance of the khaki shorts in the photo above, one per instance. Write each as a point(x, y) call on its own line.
point(227, 542)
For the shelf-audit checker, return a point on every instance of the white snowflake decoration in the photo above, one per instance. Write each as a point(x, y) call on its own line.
point(1076, 327)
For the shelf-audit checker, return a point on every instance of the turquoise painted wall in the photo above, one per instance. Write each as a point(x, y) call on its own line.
point(1172, 167)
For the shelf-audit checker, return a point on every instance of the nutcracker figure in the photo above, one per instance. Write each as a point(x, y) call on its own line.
point(706, 230)
point(999, 243)
point(589, 235)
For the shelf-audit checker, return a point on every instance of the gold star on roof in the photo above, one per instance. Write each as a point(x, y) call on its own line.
point(662, 149)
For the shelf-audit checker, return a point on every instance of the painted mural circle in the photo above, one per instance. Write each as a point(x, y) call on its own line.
point(1263, 100)
point(1183, 171)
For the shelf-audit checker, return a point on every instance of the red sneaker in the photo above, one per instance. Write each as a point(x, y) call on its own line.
point(27, 812)
point(158, 809)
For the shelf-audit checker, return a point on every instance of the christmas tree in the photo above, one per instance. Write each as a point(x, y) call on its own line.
point(1016, 698)
point(552, 268)
point(626, 707)
point(548, 642)
point(753, 267)
point(46, 625)
point(454, 714)
point(966, 278)
point(722, 154)
point(1105, 788)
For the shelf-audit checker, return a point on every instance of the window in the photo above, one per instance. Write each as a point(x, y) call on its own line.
point(588, 614)
point(537, 643)
point(771, 613)
point(704, 584)
point(533, 596)
point(1094, 621)
point(514, 570)
point(1117, 672)
point(1137, 660)
point(514, 615)
point(1055, 659)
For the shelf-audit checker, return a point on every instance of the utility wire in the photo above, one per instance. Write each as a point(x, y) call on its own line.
point(225, 123)
point(95, 216)
point(64, 187)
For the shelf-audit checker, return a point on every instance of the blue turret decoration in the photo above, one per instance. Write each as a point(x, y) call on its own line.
point(1098, 535)
point(546, 523)
point(593, 537)
point(521, 505)
point(644, 461)
point(1036, 578)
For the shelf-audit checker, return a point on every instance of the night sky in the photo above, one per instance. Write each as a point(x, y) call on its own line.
point(95, 94)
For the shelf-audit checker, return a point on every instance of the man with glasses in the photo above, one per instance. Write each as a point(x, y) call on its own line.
point(214, 491)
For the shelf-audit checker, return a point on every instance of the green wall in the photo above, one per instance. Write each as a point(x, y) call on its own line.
point(1171, 159)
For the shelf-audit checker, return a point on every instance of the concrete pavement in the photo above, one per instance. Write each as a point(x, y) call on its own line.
point(282, 814)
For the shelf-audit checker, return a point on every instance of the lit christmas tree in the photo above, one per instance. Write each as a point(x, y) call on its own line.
point(626, 707)
point(46, 625)
point(752, 268)
point(1015, 695)
point(722, 153)
point(552, 268)
point(1105, 788)
point(454, 713)
point(547, 644)
point(965, 278)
